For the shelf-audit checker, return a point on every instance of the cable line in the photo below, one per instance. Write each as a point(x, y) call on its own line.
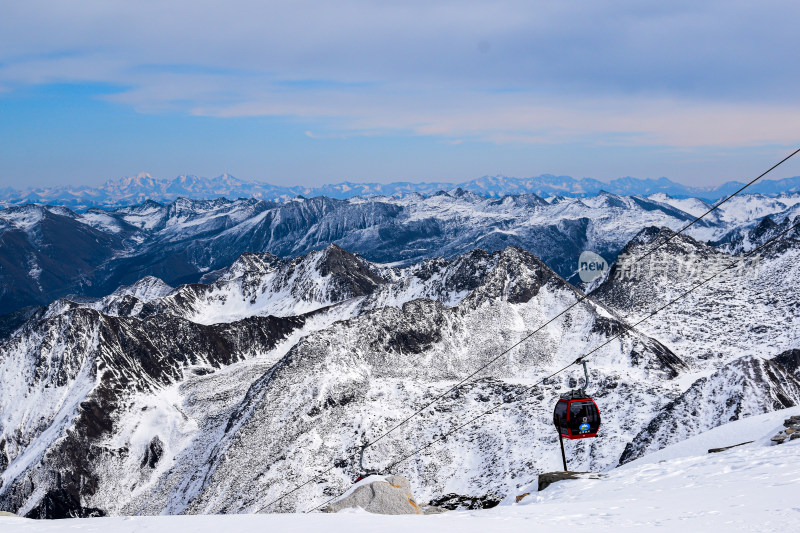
point(582, 297)
point(577, 361)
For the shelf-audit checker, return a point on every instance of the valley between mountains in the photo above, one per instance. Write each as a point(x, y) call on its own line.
point(220, 396)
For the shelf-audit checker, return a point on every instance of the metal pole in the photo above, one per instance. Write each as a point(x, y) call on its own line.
point(586, 376)
point(563, 455)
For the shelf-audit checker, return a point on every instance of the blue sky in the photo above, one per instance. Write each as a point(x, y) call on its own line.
point(318, 92)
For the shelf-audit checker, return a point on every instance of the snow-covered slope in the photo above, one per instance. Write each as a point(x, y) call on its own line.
point(755, 430)
point(52, 251)
point(173, 413)
point(263, 284)
point(741, 389)
point(750, 310)
point(748, 488)
point(728, 331)
point(219, 397)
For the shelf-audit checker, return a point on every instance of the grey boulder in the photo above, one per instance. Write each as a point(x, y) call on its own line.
point(392, 496)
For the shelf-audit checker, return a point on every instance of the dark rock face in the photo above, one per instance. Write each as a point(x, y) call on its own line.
point(56, 256)
point(3, 457)
point(12, 321)
point(353, 277)
point(725, 448)
point(130, 356)
point(60, 503)
point(452, 502)
point(790, 360)
point(547, 479)
point(745, 239)
point(153, 453)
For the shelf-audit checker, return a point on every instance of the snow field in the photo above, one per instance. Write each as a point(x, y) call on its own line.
point(749, 488)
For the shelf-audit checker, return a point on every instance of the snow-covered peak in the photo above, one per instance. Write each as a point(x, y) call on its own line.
point(196, 391)
point(146, 289)
point(693, 206)
point(23, 217)
point(742, 301)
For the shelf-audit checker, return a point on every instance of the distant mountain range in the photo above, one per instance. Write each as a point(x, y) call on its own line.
point(137, 189)
point(47, 252)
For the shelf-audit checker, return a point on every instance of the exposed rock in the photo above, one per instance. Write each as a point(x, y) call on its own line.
point(153, 453)
point(392, 496)
point(790, 360)
point(62, 503)
point(791, 421)
point(717, 450)
point(3, 513)
point(432, 509)
point(456, 501)
point(756, 386)
point(545, 480)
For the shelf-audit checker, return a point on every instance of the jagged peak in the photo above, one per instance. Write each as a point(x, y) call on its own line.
point(765, 223)
point(250, 263)
point(335, 260)
point(648, 238)
point(147, 288)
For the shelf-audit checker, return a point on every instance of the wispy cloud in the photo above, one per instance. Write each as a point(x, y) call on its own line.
point(681, 74)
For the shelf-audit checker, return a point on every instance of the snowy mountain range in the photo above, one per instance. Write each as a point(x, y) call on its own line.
point(217, 397)
point(47, 252)
point(142, 187)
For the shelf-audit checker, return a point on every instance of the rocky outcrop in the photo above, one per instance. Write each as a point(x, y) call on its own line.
point(547, 479)
point(100, 364)
point(453, 501)
point(791, 430)
point(389, 496)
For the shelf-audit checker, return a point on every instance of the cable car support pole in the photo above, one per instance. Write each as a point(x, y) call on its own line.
point(563, 455)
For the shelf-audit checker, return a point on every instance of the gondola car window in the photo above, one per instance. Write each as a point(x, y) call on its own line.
point(581, 410)
point(560, 415)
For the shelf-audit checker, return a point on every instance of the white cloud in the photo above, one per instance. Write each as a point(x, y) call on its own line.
point(677, 74)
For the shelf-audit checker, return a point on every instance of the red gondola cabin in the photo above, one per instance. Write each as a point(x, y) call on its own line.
point(576, 417)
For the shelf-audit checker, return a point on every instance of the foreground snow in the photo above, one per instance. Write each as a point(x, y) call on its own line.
point(748, 488)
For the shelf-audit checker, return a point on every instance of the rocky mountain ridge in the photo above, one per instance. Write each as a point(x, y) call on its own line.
point(184, 404)
point(49, 252)
point(161, 406)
